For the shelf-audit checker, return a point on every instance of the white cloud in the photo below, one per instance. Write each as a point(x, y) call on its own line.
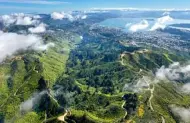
point(39, 29)
point(36, 17)
point(182, 113)
point(30, 103)
point(69, 16)
point(128, 24)
point(138, 86)
point(167, 73)
point(164, 19)
point(84, 17)
point(185, 69)
point(10, 43)
point(186, 88)
point(25, 21)
point(61, 15)
point(18, 19)
point(81, 37)
point(166, 13)
point(57, 16)
point(39, 46)
point(174, 72)
point(7, 19)
point(80, 16)
point(139, 26)
point(161, 22)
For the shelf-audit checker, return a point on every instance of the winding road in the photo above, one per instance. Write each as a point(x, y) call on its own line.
point(122, 61)
point(122, 106)
point(163, 120)
point(151, 92)
point(62, 118)
point(149, 88)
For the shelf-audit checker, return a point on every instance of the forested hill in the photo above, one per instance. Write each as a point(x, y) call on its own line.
point(98, 75)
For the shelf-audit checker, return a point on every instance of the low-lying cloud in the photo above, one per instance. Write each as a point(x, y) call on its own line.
point(69, 16)
point(7, 19)
point(166, 13)
point(174, 72)
point(139, 26)
point(139, 85)
point(149, 25)
point(36, 17)
point(25, 21)
point(10, 43)
point(30, 103)
point(83, 17)
point(38, 29)
point(19, 19)
point(39, 46)
point(161, 22)
point(186, 88)
point(57, 16)
point(182, 113)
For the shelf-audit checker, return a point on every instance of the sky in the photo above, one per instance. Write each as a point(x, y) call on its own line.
point(48, 6)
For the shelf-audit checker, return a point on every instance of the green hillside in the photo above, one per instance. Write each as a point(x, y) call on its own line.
point(84, 81)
